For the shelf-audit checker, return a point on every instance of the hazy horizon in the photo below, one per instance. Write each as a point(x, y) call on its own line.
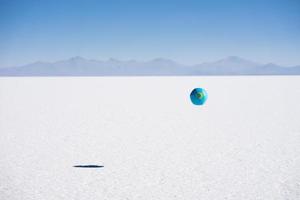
point(143, 61)
point(79, 66)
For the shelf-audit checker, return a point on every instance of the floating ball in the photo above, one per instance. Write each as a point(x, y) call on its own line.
point(198, 96)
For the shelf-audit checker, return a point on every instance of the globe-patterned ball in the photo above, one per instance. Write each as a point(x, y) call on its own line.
point(198, 96)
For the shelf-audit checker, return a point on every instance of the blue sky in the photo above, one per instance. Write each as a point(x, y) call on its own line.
point(188, 31)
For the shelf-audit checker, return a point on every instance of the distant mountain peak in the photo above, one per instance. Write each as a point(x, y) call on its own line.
point(235, 59)
point(113, 60)
point(163, 60)
point(77, 58)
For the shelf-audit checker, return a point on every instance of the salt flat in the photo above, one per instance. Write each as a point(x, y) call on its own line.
point(244, 143)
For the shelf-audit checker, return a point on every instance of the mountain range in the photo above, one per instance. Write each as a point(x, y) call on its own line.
point(78, 66)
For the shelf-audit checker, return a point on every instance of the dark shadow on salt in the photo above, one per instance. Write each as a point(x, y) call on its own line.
point(88, 166)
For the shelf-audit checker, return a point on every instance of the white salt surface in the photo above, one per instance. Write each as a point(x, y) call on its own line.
point(244, 143)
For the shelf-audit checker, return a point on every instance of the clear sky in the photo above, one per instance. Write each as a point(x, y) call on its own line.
point(187, 31)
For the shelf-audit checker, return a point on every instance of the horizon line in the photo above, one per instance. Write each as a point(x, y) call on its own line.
point(145, 61)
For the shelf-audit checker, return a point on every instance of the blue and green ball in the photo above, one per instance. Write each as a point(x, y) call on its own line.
point(198, 96)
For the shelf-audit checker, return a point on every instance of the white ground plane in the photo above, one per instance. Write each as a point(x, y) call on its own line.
point(244, 143)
